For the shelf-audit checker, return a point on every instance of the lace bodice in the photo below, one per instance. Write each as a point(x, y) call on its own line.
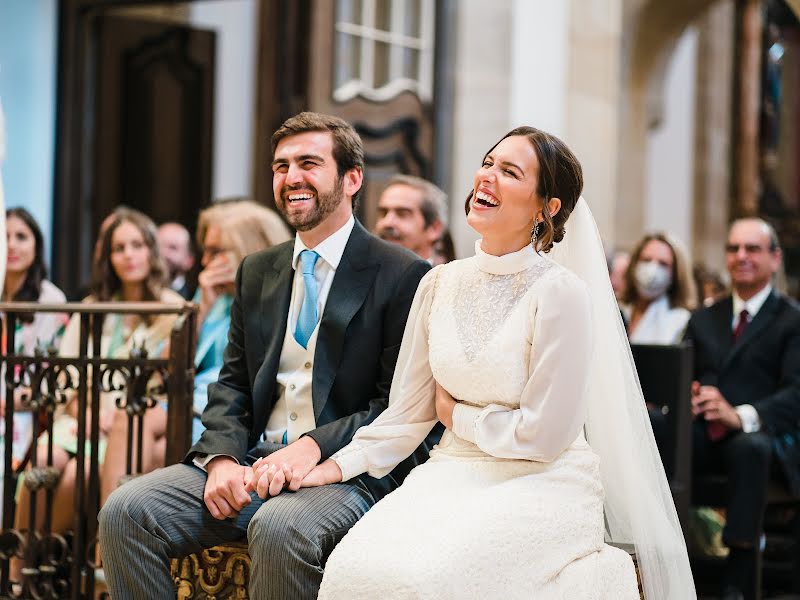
point(509, 338)
point(489, 316)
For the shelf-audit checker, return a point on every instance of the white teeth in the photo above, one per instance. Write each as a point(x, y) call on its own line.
point(486, 198)
point(300, 196)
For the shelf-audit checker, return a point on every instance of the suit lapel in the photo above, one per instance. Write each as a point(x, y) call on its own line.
point(276, 293)
point(756, 326)
point(722, 315)
point(351, 284)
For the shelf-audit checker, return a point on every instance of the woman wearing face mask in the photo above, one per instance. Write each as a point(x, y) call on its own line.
point(660, 292)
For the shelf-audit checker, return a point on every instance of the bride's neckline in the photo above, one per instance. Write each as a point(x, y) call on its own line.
point(514, 262)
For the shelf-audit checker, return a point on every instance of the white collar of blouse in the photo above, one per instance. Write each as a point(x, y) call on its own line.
point(507, 264)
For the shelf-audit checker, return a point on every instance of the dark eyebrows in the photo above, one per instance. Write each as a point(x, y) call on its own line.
point(505, 163)
point(301, 158)
point(510, 164)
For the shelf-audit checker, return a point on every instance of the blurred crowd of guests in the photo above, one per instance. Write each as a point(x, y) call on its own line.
point(745, 392)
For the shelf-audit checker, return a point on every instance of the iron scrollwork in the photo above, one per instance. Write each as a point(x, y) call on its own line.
point(53, 564)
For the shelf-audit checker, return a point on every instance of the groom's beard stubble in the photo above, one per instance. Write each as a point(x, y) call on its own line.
point(326, 203)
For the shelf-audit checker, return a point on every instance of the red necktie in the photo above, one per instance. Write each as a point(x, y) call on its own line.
point(744, 321)
point(716, 430)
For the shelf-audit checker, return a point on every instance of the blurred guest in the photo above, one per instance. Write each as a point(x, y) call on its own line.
point(444, 250)
point(26, 281)
point(120, 211)
point(175, 246)
point(411, 213)
point(659, 291)
point(226, 233)
point(710, 285)
point(746, 397)
point(128, 269)
point(617, 267)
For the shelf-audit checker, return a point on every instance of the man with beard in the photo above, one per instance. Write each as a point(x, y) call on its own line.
point(316, 326)
point(411, 213)
point(175, 246)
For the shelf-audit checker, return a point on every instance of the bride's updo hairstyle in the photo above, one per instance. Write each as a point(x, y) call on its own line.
point(560, 176)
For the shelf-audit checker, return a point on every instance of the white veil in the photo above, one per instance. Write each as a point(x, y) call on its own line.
point(638, 503)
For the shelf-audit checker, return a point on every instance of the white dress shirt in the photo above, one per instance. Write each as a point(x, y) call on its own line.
point(293, 414)
point(330, 251)
point(751, 422)
point(660, 323)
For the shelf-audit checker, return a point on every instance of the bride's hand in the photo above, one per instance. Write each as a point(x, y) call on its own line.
point(324, 473)
point(444, 406)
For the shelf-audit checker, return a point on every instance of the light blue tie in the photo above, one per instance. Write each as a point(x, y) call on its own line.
point(307, 320)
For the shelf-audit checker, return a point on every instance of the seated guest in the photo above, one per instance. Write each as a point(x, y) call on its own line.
point(412, 214)
point(128, 269)
point(26, 281)
point(226, 233)
point(746, 397)
point(659, 291)
point(175, 247)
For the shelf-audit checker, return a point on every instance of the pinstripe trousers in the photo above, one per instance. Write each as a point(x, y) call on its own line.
point(161, 515)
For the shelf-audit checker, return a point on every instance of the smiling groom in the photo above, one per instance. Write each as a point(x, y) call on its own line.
point(316, 326)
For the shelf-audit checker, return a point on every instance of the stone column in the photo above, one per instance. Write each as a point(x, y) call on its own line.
point(712, 173)
point(746, 112)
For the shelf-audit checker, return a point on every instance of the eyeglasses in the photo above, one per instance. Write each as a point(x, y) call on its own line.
point(748, 248)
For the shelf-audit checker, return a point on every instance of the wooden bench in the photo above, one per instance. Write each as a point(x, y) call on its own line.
point(222, 573)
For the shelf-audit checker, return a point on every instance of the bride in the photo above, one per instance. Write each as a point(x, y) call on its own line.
point(548, 450)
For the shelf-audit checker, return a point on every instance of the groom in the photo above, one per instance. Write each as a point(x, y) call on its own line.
point(316, 326)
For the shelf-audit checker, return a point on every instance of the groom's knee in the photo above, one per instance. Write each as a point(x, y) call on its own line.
point(277, 529)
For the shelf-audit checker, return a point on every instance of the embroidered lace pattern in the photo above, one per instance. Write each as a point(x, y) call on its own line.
point(484, 301)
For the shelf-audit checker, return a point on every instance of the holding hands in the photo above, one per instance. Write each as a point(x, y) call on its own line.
point(712, 405)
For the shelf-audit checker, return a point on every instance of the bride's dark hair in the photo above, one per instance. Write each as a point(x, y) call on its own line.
point(560, 176)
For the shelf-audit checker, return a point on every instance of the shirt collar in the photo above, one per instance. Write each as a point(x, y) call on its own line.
point(330, 249)
point(753, 305)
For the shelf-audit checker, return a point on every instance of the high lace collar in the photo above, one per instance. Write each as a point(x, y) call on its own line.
point(507, 264)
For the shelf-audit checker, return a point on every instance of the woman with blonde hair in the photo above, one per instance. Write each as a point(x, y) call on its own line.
point(226, 232)
point(659, 291)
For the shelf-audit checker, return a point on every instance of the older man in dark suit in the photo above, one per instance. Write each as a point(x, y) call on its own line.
point(316, 326)
point(747, 391)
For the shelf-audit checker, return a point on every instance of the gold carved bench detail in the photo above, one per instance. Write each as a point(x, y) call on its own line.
point(218, 573)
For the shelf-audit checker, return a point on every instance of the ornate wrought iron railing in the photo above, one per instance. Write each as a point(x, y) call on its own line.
point(57, 565)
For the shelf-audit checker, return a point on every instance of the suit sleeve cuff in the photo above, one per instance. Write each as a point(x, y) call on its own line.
point(465, 420)
point(352, 463)
point(201, 460)
point(751, 422)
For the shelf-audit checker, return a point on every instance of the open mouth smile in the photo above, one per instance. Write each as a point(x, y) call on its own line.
point(485, 199)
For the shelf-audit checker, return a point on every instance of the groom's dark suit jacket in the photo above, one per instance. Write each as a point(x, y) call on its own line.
point(762, 368)
point(357, 346)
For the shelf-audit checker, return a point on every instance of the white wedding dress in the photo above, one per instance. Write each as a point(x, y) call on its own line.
point(510, 504)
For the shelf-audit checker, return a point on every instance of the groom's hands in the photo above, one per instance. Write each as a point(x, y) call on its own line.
point(285, 468)
point(225, 494)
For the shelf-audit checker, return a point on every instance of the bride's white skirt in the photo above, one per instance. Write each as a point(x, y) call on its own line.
point(466, 525)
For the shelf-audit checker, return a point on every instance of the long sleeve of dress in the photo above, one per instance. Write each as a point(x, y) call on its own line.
point(553, 404)
point(380, 446)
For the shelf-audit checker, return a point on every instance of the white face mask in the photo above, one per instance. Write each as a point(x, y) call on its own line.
point(652, 279)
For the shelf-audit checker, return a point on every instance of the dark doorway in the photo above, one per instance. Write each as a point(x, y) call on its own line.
point(154, 107)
